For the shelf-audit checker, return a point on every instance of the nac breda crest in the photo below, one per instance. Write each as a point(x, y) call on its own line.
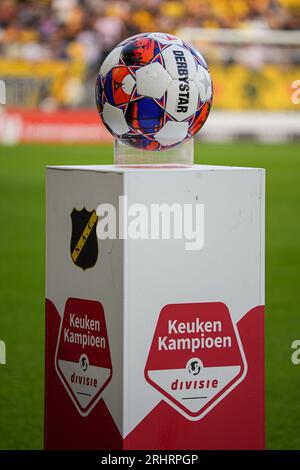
point(84, 245)
point(154, 91)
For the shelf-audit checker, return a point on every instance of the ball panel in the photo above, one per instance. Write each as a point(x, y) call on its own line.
point(152, 80)
point(98, 94)
point(111, 60)
point(145, 116)
point(179, 62)
point(199, 119)
point(203, 83)
point(182, 99)
point(140, 51)
point(128, 83)
point(115, 119)
point(114, 89)
point(172, 133)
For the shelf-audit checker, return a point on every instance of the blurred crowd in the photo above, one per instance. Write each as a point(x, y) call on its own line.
point(37, 30)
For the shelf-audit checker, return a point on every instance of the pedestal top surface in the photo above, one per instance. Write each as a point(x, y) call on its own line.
point(148, 168)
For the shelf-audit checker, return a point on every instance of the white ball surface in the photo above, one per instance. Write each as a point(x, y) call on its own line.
point(152, 80)
point(115, 119)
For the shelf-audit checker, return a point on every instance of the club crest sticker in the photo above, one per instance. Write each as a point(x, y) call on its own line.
point(83, 360)
point(196, 357)
point(84, 245)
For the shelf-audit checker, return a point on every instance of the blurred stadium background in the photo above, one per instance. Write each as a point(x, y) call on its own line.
point(50, 52)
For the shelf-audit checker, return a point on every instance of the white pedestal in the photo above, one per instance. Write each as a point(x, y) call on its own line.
point(150, 344)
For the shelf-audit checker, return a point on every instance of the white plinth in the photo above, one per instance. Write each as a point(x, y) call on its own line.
point(192, 392)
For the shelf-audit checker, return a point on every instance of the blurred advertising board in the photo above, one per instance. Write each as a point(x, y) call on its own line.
point(21, 125)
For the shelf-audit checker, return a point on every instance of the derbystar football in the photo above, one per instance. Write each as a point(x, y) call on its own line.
point(154, 91)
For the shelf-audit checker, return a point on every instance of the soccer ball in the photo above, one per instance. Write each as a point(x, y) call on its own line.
point(154, 91)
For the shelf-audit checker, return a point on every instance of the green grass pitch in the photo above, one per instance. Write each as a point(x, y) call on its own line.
point(22, 220)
